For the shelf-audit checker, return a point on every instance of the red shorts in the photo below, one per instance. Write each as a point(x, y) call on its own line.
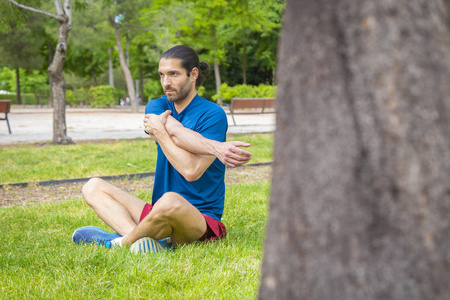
point(214, 229)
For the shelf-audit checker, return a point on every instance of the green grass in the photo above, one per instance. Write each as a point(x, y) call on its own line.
point(39, 260)
point(28, 163)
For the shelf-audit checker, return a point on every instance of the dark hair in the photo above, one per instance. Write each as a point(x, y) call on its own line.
point(189, 60)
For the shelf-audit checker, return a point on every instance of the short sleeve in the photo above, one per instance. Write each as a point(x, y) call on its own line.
point(156, 106)
point(213, 125)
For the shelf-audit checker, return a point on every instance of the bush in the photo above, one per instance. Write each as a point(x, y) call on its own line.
point(30, 99)
point(226, 92)
point(102, 96)
point(153, 89)
point(77, 97)
point(70, 98)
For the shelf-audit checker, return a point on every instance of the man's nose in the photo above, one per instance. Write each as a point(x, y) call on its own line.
point(165, 81)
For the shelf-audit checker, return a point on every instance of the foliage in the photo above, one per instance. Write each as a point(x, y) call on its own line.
point(88, 54)
point(34, 81)
point(20, 45)
point(237, 34)
point(77, 97)
point(103, 96)
point(153, 89)
point(30, 81)
point(30, 99)
point(245, 91)
point(27, 163)
point(39, 260)
point(7, 78)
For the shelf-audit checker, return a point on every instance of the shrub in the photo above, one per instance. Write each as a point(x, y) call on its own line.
point(70, 98)
point(153, 89)
point(77, 97)
point(30, 99)
point(226, 92)
point(102, 96)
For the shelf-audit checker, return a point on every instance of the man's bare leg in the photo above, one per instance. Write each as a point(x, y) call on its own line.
point(173, 216)
point(120, 210)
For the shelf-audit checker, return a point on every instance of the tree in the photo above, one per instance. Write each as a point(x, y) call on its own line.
point(200, 24)
point(360, 201)
point(20, 47)
point(121, 14)
point(88, 55)
point(64, 17)
point(251, 17)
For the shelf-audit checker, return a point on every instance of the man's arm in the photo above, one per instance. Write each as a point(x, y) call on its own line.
point(191, 166)
point(228, 153)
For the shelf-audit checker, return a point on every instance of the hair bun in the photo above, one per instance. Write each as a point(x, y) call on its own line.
point(204, 66)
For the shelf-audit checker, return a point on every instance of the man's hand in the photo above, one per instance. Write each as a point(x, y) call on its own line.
point(154, 125)
point(232, 156)
point(229, 153)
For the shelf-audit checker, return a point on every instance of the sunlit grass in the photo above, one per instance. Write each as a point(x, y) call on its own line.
point(39, 260)
point(28, 163)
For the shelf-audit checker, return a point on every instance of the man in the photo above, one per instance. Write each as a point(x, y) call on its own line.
point(189, 189)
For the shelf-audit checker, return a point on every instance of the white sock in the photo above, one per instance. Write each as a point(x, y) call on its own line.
point(117, 242)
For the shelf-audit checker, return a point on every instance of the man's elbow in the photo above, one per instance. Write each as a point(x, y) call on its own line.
point(193, 174)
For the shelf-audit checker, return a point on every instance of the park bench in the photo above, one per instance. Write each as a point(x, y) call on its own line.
point(250, 106)
point(5, 107)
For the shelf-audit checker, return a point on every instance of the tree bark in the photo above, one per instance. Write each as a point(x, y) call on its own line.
point(18, 85)
point(58, 84)
point(110, 68)
point(141, 82)
point(50, 59)
point(216, 65)
point(94, 77)
point(360, 202)
point(218, 80)
point(244, 62)
point(125, 69)
point(127, 50)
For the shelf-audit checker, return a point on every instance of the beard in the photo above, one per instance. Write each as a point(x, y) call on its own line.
point(181, 93)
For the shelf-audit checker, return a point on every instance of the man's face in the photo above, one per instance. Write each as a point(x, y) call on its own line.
point(174, 80)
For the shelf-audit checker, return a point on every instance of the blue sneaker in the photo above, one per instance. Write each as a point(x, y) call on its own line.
point(95, 235)
point(165, 243)
point(149, 245)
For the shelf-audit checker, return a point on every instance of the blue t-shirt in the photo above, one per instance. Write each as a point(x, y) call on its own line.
point(207, 193)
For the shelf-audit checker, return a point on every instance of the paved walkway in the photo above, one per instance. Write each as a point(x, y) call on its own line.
point(35, 124)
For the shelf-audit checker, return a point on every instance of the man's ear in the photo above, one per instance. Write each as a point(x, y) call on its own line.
point(194, 74)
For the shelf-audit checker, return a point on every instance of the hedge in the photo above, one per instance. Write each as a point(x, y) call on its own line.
point(102, 96)
point(226, 92)
point(30, 99)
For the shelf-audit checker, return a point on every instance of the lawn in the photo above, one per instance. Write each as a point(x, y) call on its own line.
point(39, 260)
point(30, 163)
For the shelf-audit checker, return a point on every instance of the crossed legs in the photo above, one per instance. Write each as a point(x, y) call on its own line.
point(172, 215)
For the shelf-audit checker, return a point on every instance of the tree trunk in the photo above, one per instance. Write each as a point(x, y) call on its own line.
point(244, 62)
point(216, 66)
point(94, 77)
point(50, 59)
point(125, 69)
point(110, 68)
point(58, 84)
point(127, 50)
point(218, 80)
point(18, 85)
point(360, 202)
point(141, 82)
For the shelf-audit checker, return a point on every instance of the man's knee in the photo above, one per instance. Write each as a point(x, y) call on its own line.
point(168, 206)
point(91, 187)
